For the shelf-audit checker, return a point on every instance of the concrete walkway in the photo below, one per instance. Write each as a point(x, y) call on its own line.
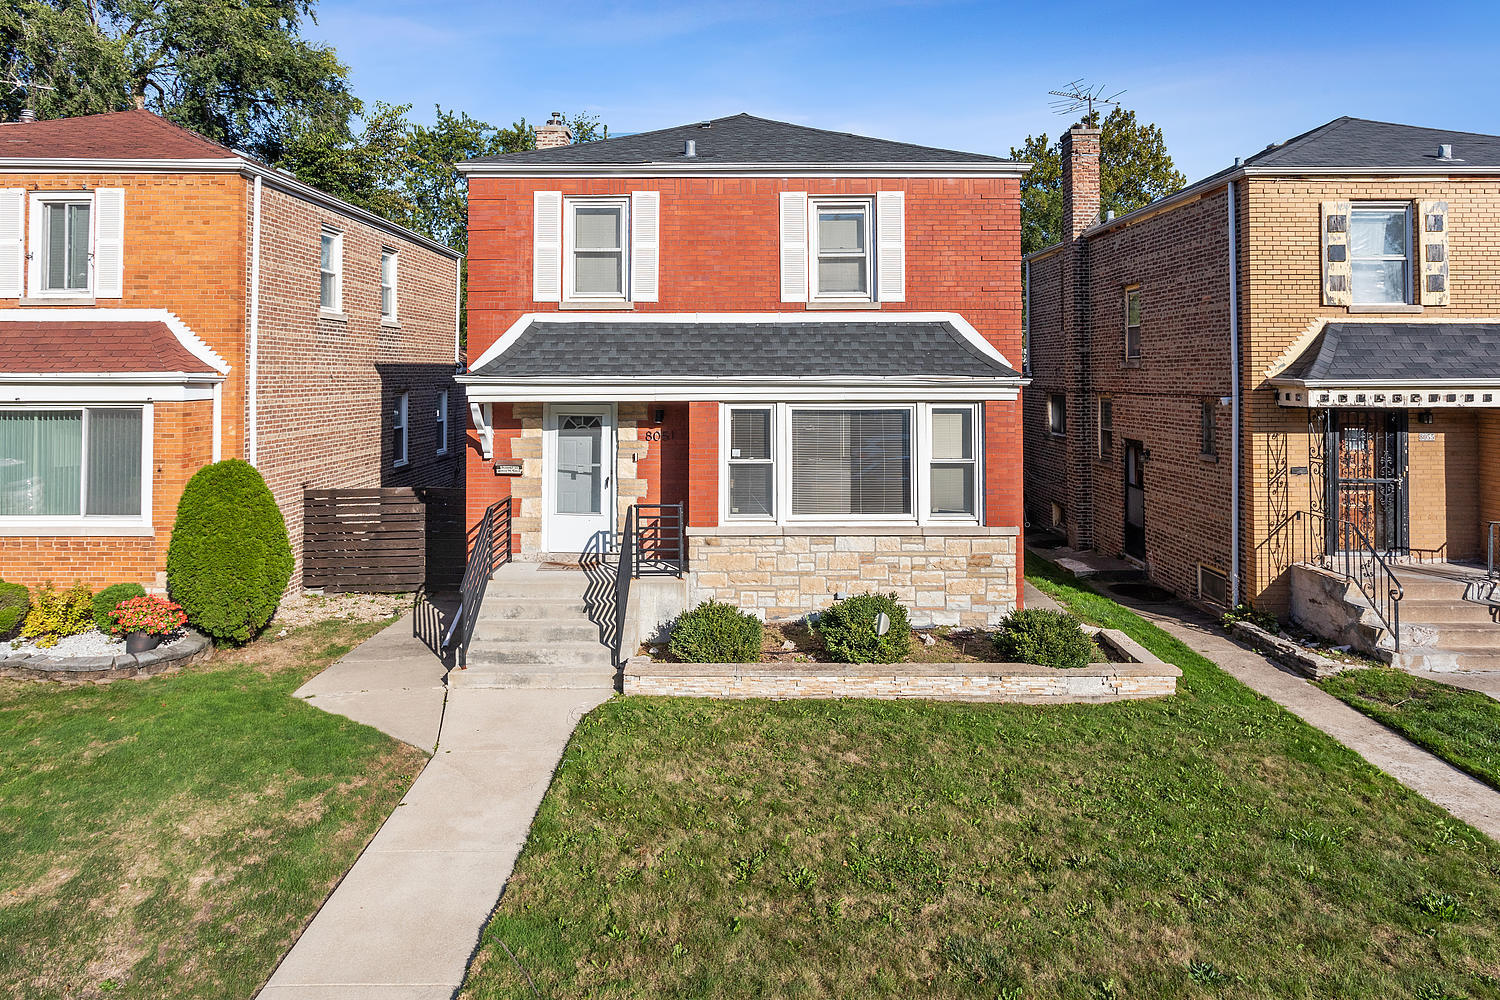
point(1465, 797)
point(406, 919)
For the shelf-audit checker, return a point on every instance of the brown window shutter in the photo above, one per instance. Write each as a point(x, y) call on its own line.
point(1432, 251)
point(1337, 275)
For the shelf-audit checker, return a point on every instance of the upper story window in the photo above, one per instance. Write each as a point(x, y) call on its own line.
point(1133, 323)
point(1057, 414)
point(442, 423)
point(1207, 426)
point(67, 245)
point(841, 250)
point(1106, 428)
point(62, 244)
point(387, 284)
point(596, 258)
point(1380, 254)
point(331, 272)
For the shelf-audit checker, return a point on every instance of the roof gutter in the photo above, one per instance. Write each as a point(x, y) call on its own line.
point(698, 168)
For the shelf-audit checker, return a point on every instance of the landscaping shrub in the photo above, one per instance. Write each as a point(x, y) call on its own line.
point(847, 630)
point(1047, 638)
point(15, 603)
point(716, 633)
point(229, 560)
point(57, 613)
point(109, 598)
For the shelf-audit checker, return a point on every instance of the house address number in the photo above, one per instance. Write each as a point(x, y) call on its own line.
point(656, 434)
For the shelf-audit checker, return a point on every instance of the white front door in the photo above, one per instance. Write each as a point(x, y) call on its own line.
point(578, 490)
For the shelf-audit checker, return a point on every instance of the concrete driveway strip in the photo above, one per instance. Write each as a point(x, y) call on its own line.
point(406, 919)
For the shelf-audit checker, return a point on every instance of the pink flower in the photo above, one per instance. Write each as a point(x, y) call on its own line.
point(152, 615)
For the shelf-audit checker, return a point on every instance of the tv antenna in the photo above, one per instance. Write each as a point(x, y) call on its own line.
point(1079, 96)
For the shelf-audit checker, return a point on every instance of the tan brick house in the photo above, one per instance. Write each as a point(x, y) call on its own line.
point(1299, 354)
point(166, 302)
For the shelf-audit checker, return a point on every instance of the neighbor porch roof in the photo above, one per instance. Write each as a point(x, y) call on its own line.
point(1396, 363)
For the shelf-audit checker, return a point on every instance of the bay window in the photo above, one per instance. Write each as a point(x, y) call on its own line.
point(1379, 254)
point(903, 463)
point(78, 462)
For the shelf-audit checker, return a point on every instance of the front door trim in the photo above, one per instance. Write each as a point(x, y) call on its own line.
point(552, 536)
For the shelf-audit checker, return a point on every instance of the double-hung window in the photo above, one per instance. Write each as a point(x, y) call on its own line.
point(66, 245)
point(1132, 323)
point(331, 272)
point(1380, 254)
point(1057, 414)
point(954, 473)
point(1106, 428)
point(597, 262)
point(841, 250)
point(388, 285)
point(442, 422)
point(752, 483)
point(399, 430)
point(72, 462)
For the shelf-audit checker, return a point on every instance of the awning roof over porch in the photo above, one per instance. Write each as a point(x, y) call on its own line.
point(1396, 364)
point(721, 355)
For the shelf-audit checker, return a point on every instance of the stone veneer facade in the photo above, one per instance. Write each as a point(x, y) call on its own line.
point(943, 575)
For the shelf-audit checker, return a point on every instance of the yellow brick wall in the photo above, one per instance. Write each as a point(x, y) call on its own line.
point(1489, 466)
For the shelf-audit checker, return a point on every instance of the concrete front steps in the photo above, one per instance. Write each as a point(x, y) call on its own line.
point(1441, 630)
point(537, 628)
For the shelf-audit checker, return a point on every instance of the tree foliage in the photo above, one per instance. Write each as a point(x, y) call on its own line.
point(1134, 170)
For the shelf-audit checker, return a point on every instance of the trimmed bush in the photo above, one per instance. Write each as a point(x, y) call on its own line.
point(15, 604)
point(57, 613)
point(229, 561)
point(1046, 638)
point(848, 630)
point(109, 598)
point(716, 633)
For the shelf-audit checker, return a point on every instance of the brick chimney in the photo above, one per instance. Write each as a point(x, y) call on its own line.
point(1080, 166)
point(556, 133)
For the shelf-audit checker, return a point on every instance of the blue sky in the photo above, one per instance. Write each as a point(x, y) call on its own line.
point(1221, 79)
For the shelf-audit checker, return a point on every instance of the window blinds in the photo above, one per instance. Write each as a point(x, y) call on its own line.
point(851, 462)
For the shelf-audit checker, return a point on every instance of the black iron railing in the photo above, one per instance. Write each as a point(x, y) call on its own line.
point(1494, 544)
point(491, 549)
point(655, 532)
point(1305, 537)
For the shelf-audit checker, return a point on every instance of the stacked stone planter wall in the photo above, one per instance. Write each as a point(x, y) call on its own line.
point(190, 647)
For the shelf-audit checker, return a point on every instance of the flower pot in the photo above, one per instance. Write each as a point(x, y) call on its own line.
point(139, 642)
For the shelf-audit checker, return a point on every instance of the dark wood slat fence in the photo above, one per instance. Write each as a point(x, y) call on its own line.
point(388, 539)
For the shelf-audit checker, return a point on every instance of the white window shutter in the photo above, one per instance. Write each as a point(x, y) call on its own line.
point(1338, 280)
point(890, 246)
point(109, 243)
point(645, 245)
point(1432, 244)
point(546, 247)
point(794, 246)
point(12, 242)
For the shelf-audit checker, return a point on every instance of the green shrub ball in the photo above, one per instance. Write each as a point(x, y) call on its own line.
point(848, 630)
point(1046, 638)
point(716, 633)
point(229, 561)
point(109, 598)
point(15, 603)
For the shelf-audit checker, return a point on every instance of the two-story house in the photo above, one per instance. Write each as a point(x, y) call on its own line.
point(166, 302)
point(808, 338)
point(1295, 360)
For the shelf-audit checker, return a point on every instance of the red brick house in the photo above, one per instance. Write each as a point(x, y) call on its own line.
point(166, 302)
point(809, 339)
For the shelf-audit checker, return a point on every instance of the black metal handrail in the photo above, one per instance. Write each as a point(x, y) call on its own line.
point(1307, 539)
point(491, 550)
point(624, 573)
point(1494, 563)
point(656, 533)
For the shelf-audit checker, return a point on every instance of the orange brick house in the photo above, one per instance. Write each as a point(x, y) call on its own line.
point(807, 339)
point(1296, 357)
point(166, 302)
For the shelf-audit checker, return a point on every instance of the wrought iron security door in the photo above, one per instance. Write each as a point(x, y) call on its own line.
point(1367, 476)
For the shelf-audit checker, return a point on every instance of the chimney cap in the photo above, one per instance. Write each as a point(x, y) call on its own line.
point(556, 119)
point(27, 115)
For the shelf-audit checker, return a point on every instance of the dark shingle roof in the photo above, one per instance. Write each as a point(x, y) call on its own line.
point(1358, 142)
point(742, 139)
point(1398, 352)
point(741, 349)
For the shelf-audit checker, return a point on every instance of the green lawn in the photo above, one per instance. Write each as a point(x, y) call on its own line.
point(1462, 727)
point(1209, 845)
point(170, 837)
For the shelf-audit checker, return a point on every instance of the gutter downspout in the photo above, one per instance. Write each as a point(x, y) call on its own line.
point(251, 391)
point(458, 296)
point(1234, 374)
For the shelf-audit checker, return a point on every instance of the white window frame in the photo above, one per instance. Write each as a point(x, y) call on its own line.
point(1057, 403)
point(37, 257)
point(1133, 291)
point(1409, 257)
point(928, 458)
point(442, 422)
point(85, 523)
point(814, 252)
point(570, 248)
point(394, 256)
point(336, 257)
point(772, 461)
point(399, 416)
point(920, 468)
point(1105, 454)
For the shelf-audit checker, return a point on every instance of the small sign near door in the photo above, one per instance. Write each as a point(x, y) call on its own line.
point(505, 468)
point(1426, 436)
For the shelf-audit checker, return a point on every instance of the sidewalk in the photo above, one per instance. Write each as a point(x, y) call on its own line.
point(406, 919)
point(1465, 797)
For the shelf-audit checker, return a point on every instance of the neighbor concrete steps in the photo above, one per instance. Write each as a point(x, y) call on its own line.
point(539, 628)
point(1441, 630)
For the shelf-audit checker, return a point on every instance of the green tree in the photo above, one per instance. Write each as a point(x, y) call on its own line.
point(1134, 170)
